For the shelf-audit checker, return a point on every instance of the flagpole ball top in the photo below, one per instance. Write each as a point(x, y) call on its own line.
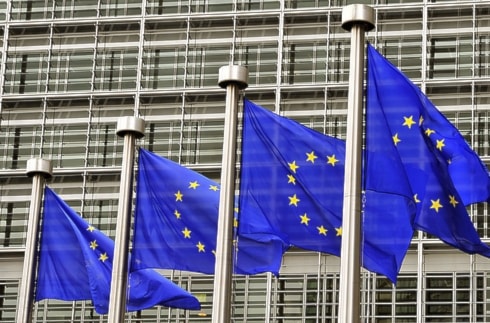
point(132, 125)
point(233, 74)
point(358, 14)
point(39, 166)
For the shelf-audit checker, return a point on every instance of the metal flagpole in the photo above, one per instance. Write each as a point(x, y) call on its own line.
point(358, 19)
point(130, 128)
point(233, 78)
point(39, 169)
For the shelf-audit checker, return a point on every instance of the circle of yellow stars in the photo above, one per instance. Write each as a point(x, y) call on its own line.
point(311, 157)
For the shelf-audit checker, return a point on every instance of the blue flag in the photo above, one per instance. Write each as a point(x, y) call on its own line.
point(295, 176)
point(75, 263)
point(176, 219)
point(444, 173)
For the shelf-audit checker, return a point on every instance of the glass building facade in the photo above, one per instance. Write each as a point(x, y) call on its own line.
point(70, 68)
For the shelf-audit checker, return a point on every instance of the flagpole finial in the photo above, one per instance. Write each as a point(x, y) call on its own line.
point(39, 166)
point(358, 14)
point(131, 124)
point(235, 74)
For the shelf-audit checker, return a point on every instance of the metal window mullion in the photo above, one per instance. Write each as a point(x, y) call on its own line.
point(234, 36)
point(182, 120)
point(424, 47)
point(474, 44)
point(280, 45)
point(94, 59)
point(187, 45)
point(60, 144)
point(6, 34)
point(140, 59)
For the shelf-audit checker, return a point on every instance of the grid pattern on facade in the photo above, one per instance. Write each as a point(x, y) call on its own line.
point(70, 68)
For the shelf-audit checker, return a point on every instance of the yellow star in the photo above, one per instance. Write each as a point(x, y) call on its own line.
point(421, 120)
point(291, 179)
point(200, 247)
point(311, 157)
point(90, 228)
point(178, 196)
point(440, 144)
point(304, 219)
point(416, 199)
point(436, 205)
point(177, 214)
point(332, 160)
point(187, 233)
point(293, 166)
point(93, 245)
point(408, 122)
point(193, 185)
point(213, 188)
point(452, 200)
point(429, 132)
point(322, 230)
point(396, 140)
point(339, 231)
point(235, 223)
point(103, 257)
point(293, 200)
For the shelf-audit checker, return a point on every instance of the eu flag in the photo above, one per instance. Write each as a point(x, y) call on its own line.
point(75, 263)
point(176, 219)
point(294, 176)
point(444, 173)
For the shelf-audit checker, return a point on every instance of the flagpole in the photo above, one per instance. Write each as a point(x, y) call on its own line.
point(233, 78)
point(130, 128)
point(39, 169)
point(357, 19)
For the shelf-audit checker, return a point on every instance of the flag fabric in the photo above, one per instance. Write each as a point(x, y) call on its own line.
point(176, 220)
point(295, 176)
point(75, 263)
point(444, 174)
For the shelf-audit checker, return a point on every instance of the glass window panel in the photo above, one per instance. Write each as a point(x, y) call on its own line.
point(303, 103)
point(71, 71)
point(21, 134)
point(159, 7)
point(405, 53)
point(116, 70)
point(482, 42)
point(450, 57)
point(3, 7)
point(257, 4)
point(211, 5)
point(117, 8)
point(338, 61)
point(65, 145)
point(164, 56)
point(69, 9)
point(105, 147)
point(300, 4)
point(13, 217)
point(8, 300)
point(209, 49)
point(31, 9)
point(304, 63)
point(256, 48)
point(453, 18)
